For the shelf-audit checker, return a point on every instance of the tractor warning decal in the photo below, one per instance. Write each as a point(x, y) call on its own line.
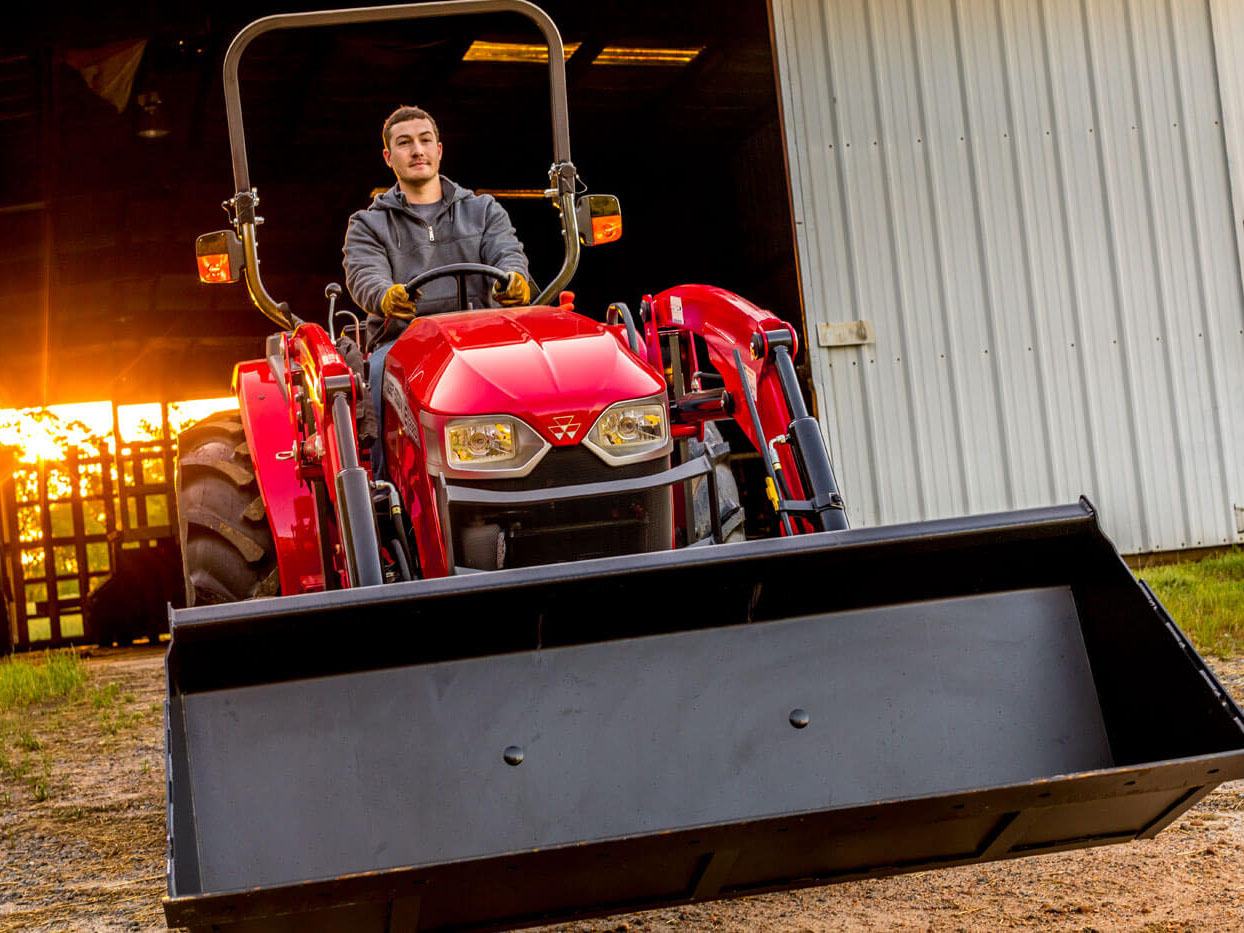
point(397, 398)
point(676, 309)
point(564, 426)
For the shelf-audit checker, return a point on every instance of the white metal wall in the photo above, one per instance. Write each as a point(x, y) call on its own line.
point(1031, 202)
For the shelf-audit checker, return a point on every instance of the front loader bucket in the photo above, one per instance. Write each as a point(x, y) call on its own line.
point(524, 746)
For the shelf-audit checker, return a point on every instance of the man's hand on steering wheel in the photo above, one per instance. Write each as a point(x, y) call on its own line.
point(460, 271)
point(398, 304)
point(517, 291)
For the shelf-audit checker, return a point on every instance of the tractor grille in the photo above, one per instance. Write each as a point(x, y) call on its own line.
point(488, 537)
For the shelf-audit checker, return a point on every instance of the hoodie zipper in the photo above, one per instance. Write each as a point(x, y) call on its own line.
point(431, 234)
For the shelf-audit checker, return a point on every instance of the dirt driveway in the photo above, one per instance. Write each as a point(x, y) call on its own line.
point(82, 846)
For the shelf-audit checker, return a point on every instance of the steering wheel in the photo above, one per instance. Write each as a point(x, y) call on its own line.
point(459, 270)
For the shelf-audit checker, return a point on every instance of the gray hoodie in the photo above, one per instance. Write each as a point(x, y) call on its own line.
point(388, 242)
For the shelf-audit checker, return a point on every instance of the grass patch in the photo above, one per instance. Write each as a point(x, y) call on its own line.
point(35, 773)
point(1206, 599)
point(116, 721)
point(37, 679)
point(106, 697)
point(40, 786)
point(32, 690)
point(115, 710)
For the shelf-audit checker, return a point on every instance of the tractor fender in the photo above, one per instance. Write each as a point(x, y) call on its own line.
point(288, 500)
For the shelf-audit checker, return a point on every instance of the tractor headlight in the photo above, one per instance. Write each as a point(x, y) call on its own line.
point(470, 443)
point(500, 446)
point(631, 431)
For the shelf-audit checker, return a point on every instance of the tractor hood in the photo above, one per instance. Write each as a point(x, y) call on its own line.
point(534, 363)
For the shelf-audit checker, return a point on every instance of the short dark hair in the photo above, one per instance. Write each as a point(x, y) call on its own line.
point(401, 115)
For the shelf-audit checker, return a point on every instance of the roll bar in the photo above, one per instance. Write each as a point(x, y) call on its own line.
point(562, 175)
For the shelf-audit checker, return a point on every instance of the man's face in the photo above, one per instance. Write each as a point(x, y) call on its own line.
point(414, 153)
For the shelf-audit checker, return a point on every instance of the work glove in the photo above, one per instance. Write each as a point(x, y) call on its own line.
point(517, 291)
point(397, 304)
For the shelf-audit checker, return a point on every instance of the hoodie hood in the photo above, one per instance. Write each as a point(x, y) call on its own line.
point(394, 200)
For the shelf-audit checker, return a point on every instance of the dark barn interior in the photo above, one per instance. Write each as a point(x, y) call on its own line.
point(98, 222)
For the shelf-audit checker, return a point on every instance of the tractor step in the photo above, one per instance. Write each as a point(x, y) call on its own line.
point(534, 745)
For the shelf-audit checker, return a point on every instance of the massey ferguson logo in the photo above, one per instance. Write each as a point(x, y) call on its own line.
point(564, 426)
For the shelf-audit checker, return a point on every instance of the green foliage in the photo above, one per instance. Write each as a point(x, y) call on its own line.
point(116, 712)
point(35, 773)
point(1206, 600)
point(30, 680)
point(106, 696)
point(27, 682)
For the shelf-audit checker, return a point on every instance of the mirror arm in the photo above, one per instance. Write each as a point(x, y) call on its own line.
point(246, 224)
point(562, 182)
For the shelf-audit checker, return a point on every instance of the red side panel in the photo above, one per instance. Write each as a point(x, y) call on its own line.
point(289, 502)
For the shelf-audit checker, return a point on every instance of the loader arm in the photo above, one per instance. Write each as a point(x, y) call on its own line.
point(322, 393)
point(752, 350)
point(288, 500)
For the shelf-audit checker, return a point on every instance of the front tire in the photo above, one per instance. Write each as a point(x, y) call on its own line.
point(226, 544)
point(729, 503)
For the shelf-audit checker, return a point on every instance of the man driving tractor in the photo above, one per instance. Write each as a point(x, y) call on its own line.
point(422, 222)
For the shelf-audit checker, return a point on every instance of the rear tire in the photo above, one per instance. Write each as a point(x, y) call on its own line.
point(226, 546)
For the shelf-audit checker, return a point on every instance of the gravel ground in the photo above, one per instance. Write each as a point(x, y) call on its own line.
point(82, 847)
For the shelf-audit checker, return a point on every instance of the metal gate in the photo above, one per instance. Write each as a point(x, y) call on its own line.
point(65, 524)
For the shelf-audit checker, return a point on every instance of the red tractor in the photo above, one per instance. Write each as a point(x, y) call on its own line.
point(601, 721)
point(514, 437)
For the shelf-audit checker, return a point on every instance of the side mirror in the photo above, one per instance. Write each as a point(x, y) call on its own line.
point(220, 257)
point(600, 219)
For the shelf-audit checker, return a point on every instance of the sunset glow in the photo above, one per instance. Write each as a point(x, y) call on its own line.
point(45, 434)
point(37, 441)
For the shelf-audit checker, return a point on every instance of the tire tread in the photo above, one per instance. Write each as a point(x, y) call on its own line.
point(227, 549)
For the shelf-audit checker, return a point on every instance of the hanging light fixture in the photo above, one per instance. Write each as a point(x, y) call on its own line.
point(482, 51)
point(151, 122)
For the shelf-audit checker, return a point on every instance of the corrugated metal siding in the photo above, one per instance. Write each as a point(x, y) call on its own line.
point(1228, 20)
point(1030, 200)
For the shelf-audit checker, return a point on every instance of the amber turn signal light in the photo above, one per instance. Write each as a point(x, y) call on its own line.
point(600, 219)
point(219, 256)
point(215, 268)
point(606, 229)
